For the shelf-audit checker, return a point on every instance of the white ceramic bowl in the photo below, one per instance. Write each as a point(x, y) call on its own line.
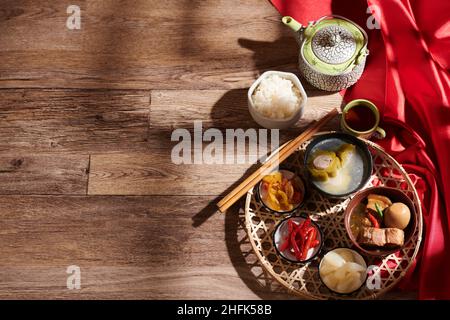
point(270, 123)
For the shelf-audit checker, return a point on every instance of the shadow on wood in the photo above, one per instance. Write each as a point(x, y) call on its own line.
point(286, 52)
point(204, 214)
point(245, 260)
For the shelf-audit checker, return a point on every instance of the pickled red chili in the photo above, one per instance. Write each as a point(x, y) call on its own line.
point(300, 239)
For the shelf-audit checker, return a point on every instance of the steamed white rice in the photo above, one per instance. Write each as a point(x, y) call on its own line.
point(276, 97)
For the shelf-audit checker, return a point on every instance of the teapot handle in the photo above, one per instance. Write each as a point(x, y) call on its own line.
point(361, 55)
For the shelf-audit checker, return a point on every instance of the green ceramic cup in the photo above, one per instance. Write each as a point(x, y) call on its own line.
point(374, 131)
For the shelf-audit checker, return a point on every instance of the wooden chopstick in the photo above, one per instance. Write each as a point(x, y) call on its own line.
point(254, 174)
point(282, 154)
point(273, 162)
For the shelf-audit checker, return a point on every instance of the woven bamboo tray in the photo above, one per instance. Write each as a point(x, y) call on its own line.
point(303, 280)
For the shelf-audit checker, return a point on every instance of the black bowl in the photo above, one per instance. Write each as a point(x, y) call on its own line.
point(332, 141)
point(276, 239)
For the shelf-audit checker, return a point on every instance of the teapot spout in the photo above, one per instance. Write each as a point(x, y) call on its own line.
point(295, 26)
point(291, 23)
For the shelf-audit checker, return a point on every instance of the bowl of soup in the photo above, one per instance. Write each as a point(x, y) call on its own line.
point(338, 164)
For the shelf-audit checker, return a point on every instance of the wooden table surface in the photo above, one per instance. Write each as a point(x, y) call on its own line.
point(86, 117)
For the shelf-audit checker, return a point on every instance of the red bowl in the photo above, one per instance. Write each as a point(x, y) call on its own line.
point(396, 196)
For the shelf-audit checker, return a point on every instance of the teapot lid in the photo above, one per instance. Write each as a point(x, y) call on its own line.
point(333, 44)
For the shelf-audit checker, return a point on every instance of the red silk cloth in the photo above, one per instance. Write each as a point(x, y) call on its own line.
point(407, 77)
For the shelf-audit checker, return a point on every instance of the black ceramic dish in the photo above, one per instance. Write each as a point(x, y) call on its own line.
point(258, 196)
point(277, 238)
point(328, 141)
point(339, 293)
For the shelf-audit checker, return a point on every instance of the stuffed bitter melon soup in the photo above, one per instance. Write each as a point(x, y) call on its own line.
point(335, 166)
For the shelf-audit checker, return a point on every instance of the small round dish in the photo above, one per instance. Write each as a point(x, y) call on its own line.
point(394, 195)
point(281, 232)
point(356, 257)
point(360, 172)
point(270, 123)
point(289, 175)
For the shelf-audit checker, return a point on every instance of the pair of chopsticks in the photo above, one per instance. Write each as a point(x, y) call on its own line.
point(283, 153)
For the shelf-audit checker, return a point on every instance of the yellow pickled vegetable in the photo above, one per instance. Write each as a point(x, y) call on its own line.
point(283, 200)
point(280, 193)
point(289, 190)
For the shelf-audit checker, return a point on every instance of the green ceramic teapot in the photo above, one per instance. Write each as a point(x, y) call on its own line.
point(333, 51)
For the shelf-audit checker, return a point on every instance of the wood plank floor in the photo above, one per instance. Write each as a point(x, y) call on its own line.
point(146, 44)
point(127, 247)
point(86, 118)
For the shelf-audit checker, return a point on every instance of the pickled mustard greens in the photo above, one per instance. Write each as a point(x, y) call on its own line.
point(281, 192)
